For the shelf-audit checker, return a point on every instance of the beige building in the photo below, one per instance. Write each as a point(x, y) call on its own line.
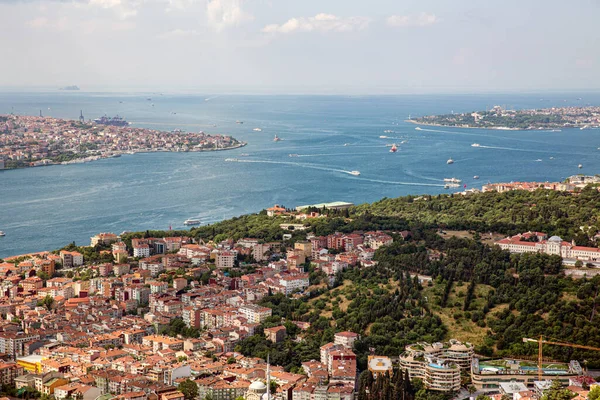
point(438, 365)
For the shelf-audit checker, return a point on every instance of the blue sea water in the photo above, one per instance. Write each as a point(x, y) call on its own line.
point(48, 207)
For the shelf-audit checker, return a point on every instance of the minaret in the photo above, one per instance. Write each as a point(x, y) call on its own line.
point(268, 378)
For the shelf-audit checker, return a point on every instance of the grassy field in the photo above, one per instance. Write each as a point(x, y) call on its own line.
point(459, 324)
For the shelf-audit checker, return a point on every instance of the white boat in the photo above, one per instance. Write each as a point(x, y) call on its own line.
point(355, 173)
point(231, 159)
point(191, 222)
point(388, 131)
point(2, 233)
point(450, 161)
point(539, 160)
point(418, 128)
point(451, 185)
point(476, 177)
point(453, 180)
point(383, 137)
point(293, 155)
point(346, 144)
point(244, 155)
point(276, 139)
point(475, 145)
point(580, 166)
point(257, 130)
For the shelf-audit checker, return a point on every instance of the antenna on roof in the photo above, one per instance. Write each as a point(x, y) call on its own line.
point(81, 119)
point(41, 113)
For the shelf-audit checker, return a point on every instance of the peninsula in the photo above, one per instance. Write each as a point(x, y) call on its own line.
point(499, 118)
point(27, 141)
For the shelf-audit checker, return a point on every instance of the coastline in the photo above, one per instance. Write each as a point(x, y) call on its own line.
point(116, 154)
point(495, 128)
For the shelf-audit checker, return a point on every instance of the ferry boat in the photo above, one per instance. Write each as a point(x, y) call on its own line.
point(112, 121)
point(2, 233)
point(452, 180)
point(450, 161)
point(394, 148)
point(475, 145)
point(355, 173)
point(451, 185)
point(191, 222)
point(257, 130)
point(276, 139)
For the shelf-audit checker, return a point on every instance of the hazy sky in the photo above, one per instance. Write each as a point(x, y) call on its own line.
point(369, 46)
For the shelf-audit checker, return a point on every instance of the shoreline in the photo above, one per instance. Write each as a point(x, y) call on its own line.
point(495, 128)
point(117, 154)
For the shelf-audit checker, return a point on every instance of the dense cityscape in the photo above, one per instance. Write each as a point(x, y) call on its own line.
point(27, 141)
point(585, 117)
point(393, 200)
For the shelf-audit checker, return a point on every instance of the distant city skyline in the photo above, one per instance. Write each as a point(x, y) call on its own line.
point(309, 46)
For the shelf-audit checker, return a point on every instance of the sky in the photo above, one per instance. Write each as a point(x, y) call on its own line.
point(311, 46)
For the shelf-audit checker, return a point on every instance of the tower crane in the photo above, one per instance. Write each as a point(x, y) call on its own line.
point(541, 341)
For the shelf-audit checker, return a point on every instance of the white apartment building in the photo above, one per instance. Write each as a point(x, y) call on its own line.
point(255, 314)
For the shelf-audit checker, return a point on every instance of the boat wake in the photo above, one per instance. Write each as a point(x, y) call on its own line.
point(303, 165)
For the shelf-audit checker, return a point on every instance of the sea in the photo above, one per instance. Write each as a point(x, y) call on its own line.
point(323, 139)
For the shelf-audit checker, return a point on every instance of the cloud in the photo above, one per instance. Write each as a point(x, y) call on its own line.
point(177, 33)
point(226, 13)
point(45, 23)
point(319, 23)
point(123, 8)
point(420, 20)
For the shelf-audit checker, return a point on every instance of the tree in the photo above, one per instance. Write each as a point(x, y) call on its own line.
point(47, 302)
point(594, 393)
point(189, 389)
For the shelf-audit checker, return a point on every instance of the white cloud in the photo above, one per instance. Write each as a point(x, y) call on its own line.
point(59, 24)
point(177, 33)
point(226, 13)
point(422, 19)
point(319, 23)
point(123, 8)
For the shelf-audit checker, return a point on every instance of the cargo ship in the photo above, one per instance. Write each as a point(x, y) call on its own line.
point(112, 121)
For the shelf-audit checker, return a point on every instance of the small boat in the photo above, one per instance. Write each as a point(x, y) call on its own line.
point(450, 161)
point(355, 173)
point(257, 130)
point(2, 233)
point(346, 144)
point(394, 148)
point(451, 185)
point(475, 145)
point(580, 166)
point(244, 155)
point(231, 159)
point(383, 137)
point(418, 128)
point(191, 222)
point(388, 131)
point(552, 158)
point(294, 155)
point(539, 160)
point(276, 139)
point(476, 177)
point(452, 180)
point(556, 130)
point(239, 122)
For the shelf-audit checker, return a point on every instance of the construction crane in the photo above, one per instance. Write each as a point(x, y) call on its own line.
point(541, 341)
